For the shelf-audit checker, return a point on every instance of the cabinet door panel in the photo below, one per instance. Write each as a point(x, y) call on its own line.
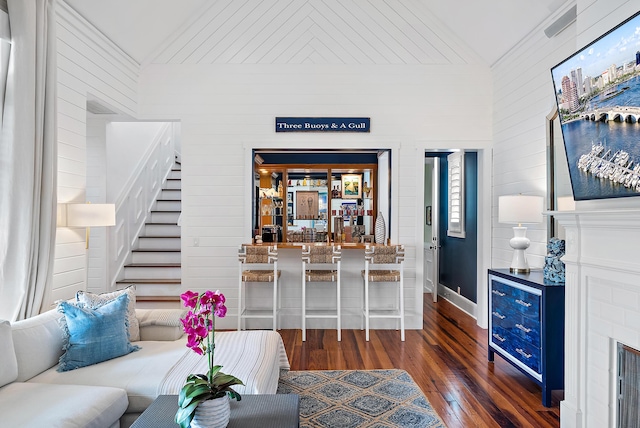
point(524, 328)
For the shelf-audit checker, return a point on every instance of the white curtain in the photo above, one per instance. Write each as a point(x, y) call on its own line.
point(28, 161)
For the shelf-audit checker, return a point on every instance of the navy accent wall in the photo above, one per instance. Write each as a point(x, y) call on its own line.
point(459, 256)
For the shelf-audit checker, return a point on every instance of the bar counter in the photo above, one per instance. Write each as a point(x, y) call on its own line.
point(343, 245)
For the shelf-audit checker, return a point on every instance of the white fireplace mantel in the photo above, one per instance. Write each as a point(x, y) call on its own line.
point(602, 294)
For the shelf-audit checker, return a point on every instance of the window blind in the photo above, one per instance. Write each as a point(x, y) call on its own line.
point(456, 195)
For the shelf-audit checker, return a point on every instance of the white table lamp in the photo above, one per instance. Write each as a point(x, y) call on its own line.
point(87, 215)
point(520, 209)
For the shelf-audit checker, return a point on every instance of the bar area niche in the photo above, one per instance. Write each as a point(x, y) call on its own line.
point(327, 197)
point(320, 198)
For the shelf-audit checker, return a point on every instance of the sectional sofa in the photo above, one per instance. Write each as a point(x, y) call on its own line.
point(113, 393)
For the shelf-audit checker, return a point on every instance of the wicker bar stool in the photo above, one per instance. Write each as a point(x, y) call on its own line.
point(258, 264)
point(320, 264)
point(391, 261)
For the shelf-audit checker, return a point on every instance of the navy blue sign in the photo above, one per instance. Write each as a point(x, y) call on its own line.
point(323, 124)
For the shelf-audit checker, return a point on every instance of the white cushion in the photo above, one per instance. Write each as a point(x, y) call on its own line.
point(139, 373)
point(38, 342)
point(160, 324)
point(96, 300)
point(33, 405)
point(8, 362)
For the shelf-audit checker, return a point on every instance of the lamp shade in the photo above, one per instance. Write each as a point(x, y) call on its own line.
point(520, 209)
point(88, 215)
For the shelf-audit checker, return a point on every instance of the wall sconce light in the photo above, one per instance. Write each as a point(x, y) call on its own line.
point(87, 215)
point(520, 209)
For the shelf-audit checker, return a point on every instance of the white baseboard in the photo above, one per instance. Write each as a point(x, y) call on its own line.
point(457, 300)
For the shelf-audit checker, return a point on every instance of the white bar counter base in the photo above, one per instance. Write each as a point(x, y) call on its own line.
point(322, 296)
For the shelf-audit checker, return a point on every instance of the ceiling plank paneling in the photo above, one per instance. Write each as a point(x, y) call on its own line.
point(182, 44)
point(311, 31)
point(249, 37)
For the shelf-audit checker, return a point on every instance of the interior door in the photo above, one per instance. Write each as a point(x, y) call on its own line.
point(435, 238)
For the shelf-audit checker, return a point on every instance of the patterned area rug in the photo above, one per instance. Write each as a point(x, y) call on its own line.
point(359, 398)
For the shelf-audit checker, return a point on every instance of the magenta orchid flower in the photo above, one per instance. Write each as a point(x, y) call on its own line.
point(199, 322)
point(189, 299)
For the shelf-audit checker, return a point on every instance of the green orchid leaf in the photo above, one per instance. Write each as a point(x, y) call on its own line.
point(233, 394)
point(184, 416)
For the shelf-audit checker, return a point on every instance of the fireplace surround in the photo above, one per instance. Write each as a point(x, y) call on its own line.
point(602, 292)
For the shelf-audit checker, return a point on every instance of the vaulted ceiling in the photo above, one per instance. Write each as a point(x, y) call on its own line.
point(316, 31)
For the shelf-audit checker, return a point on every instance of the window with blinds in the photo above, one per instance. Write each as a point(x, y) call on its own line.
point(456, 195)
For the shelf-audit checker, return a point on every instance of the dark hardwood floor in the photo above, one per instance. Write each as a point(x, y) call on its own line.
point(447, 358)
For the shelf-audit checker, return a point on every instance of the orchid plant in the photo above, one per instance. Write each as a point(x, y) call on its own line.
point(199, 325)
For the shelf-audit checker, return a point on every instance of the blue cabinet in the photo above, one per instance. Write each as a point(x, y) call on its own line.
point(526, 326)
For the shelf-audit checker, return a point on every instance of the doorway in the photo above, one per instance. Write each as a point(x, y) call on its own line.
point(431, 201)
point(451, 262)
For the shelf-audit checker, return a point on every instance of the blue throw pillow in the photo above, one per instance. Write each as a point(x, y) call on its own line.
point(95, 335)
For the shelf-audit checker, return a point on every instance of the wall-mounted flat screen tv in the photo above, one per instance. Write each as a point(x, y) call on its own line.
point(597, 91)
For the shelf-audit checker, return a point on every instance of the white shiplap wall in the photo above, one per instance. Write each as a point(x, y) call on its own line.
point(228, 109)
point(88, 63)
point(96, 193)
point(523, 96)
point(226, 83)
point(236, 67)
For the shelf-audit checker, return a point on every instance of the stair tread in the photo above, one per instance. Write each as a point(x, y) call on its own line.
point(168, 265)
point(150, 281)
point(159, 236)
point(161, 223)
point(155, 250)
point(165, 211)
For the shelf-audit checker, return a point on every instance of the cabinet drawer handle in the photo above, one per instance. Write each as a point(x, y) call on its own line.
point(500, 338)
point(498, 293)
point(497, 314)
point(523, 303)
point(523, 328)
point(524, 354)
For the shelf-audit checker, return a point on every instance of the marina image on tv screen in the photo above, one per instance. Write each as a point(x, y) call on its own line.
point(597, 91)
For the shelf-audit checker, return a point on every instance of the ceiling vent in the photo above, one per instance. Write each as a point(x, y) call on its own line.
point(561, 23)
point(97, 108)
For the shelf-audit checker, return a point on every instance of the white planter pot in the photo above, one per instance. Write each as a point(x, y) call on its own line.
point(212, 414)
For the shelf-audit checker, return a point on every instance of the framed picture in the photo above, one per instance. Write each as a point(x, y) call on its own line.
point(307, 204)
point(366, 239)
point(348, 209)
point(598, 123)
point(289, 197)
point(351, 186)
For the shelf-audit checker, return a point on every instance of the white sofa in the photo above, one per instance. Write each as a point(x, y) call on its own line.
point(113, 393)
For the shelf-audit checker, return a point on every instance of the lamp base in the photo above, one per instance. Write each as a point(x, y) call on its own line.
point(519, 243)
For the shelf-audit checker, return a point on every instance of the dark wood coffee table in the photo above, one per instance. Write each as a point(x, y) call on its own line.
point(264, 411)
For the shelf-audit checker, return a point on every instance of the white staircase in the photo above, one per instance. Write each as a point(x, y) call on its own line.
point(155, 262)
